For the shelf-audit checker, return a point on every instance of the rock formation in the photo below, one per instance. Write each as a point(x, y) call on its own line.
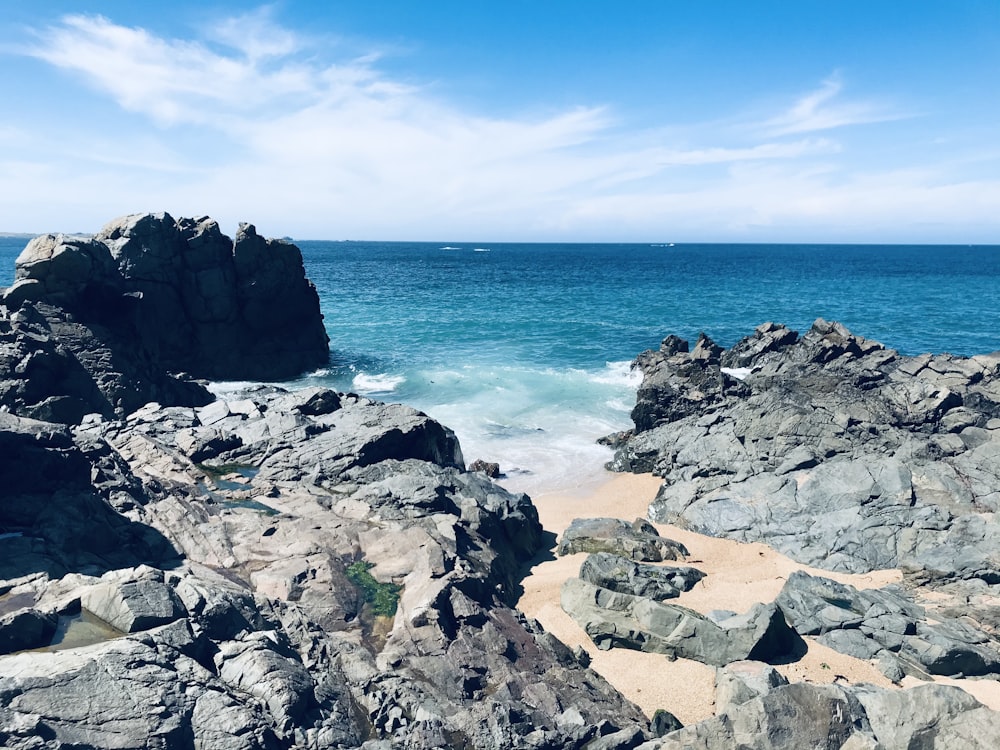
point(191, 299)
point(281, 569)
point(757, 708)
point(831, 448)
point(848, 456)
point(309, 569)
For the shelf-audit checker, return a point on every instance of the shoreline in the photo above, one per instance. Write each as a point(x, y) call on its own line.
point(738, 575)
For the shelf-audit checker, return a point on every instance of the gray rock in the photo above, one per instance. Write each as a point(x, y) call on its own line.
point(270, 638)
point(870, 624)
point(834, 450)
point(800, 715)
point(742, 681)
point(636, 541)
point(133, 605)
point(628, 577)
point(614, 619)
point(788, 717)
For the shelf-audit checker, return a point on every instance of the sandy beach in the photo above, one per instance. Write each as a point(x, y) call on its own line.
point(738, 575)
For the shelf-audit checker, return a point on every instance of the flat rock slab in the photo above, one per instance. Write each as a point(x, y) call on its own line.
point(628, 577)
point(613, 619)
point(636, 541)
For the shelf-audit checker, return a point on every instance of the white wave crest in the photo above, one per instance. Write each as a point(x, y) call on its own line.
point(619, 373)
point(381, 383)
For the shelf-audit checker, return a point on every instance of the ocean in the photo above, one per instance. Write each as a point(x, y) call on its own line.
point(524, 349)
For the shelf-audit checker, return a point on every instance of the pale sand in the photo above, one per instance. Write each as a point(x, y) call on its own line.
point(738, 575)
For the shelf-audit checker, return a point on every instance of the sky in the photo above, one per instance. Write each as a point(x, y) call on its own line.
point(642, 121)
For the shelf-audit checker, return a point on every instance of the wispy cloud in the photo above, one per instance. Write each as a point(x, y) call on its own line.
point(261, 123)
point(825, 109)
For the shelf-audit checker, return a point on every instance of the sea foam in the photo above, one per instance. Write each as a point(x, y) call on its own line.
point(377, 384)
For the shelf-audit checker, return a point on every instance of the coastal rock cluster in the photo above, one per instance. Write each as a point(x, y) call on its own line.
point(843, 455)
point(271, 569)
point(150, 295)
point(829, 447)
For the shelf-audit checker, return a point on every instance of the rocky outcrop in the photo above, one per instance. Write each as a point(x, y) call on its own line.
point(345, 583)
point(829, 447)
point(758, 710)
point(150, 295)
point(887, 625)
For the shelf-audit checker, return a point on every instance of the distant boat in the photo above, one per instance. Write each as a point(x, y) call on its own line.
point(480, 249)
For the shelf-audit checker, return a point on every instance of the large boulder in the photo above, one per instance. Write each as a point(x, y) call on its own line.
point(833, 449)
point(98, 325)
point(638, 540)
point(613, 619)
point(215, 307)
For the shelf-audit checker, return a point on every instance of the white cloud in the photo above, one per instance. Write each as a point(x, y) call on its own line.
point(261, 125)
point(824, 109)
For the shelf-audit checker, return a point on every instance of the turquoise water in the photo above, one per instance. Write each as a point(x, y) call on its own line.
point(524, 349)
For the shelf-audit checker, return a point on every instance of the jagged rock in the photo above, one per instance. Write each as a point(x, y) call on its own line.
point(490, 469)
point(628, 577)
point(60, 494)
point(790, 716)
point(613, 619)
point(209, 303)
point(267, 629)
point(60, 369)
point(663, 723)
point(66, 272)
point(742, 681)
point(637, 541)
point(829, 447)
point(886, 624)
point(96, 326)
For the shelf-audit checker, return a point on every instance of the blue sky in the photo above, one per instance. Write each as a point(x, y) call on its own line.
point(800, 121)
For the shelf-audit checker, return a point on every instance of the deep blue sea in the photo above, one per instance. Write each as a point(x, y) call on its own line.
point(524, 349)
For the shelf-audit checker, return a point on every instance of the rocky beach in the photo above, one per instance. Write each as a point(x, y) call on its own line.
point(799, 548)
